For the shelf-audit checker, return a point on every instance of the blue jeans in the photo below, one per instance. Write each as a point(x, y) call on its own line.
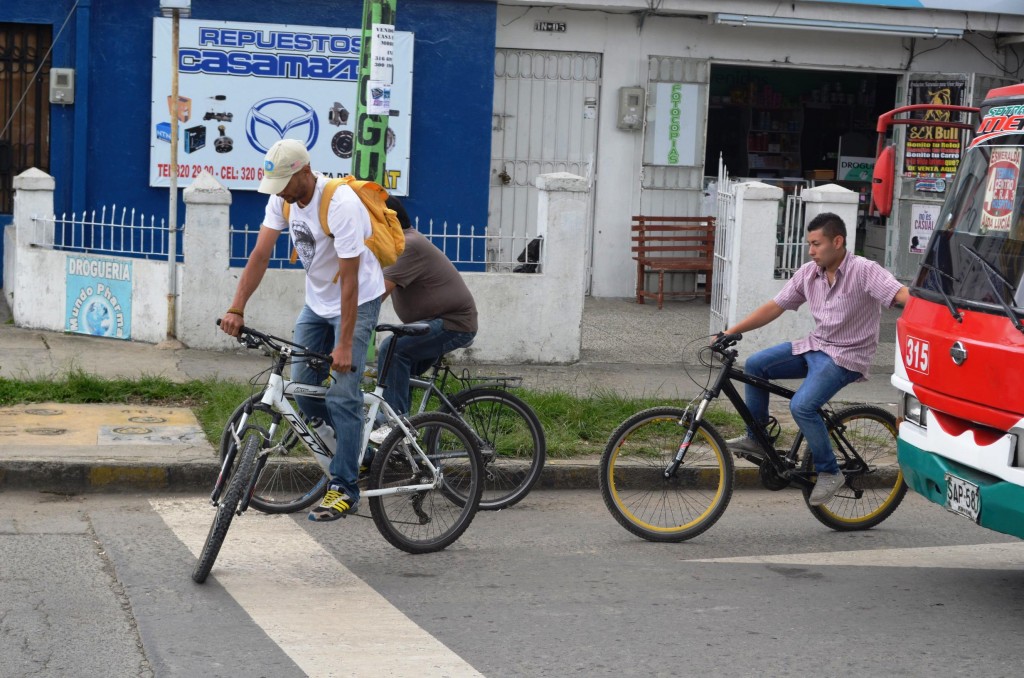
point(414, 355)
point(343, 405)
point(822, 380)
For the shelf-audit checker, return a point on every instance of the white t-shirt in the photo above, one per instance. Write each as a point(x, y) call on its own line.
point(350, 223)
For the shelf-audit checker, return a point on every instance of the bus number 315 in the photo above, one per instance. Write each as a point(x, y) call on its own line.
point(916, 355)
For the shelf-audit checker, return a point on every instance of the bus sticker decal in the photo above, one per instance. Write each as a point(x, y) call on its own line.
point(1000, 189)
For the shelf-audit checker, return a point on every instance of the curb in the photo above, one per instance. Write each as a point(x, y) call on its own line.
point(73, 477)
point(80, 477)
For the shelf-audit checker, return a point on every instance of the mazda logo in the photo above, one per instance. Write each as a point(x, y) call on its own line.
point(271, 120)
point(958, 353)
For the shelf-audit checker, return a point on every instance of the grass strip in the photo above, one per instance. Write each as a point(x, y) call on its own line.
point(573, 425)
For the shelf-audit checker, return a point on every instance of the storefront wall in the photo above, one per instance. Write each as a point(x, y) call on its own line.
point(101, 144)
point(626, 49)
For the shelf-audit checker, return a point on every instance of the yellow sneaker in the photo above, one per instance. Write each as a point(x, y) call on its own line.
point(335, 504)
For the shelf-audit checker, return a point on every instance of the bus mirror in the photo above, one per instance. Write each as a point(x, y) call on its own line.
point(883, 180)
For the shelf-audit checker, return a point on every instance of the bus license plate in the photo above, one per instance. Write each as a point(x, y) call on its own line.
point(962, 497)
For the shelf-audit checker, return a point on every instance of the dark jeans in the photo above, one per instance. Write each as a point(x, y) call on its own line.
point(822, 380)
point(413, 355)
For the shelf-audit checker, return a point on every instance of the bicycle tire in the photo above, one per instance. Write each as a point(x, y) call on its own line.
point(872, 431)
point(512, 442)
point(291, 479)
point(429, 520)
point(636, 492)
point(241, 474)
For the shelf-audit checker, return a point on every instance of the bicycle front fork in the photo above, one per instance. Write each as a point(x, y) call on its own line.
point(694, 422)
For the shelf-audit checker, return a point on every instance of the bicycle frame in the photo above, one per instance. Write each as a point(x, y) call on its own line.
point(441, 371)
point(782, 465)
point(276, 396)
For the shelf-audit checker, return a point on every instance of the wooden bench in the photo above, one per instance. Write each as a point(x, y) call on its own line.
point(670, 245)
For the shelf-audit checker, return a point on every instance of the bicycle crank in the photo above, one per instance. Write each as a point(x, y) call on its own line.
point(771, 478)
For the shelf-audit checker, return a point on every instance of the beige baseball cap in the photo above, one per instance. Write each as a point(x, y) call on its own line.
point(284, 159)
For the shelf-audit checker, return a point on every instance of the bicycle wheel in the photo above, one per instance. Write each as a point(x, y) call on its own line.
point(872, 493)
point(291, 479)
point(511, 440)
point(237, 484)
point(663, 509)
point(427, 520)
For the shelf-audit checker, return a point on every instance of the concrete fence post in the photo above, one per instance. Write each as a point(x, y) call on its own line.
point(33, 197)
point(206, 273)
point(838, 200)
point(752, 258)
point(561, 219)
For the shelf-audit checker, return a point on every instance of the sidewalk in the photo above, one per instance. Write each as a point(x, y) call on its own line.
point(627, 348)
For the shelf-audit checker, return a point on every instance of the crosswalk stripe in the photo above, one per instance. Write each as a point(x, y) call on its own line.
point(287, 583)
point(1003, 556)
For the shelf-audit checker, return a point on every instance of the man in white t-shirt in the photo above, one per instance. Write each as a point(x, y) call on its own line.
point(344, 285)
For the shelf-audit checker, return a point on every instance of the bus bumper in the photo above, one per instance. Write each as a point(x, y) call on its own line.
point(1002, 502)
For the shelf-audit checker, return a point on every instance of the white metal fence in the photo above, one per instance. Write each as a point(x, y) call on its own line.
point(119, 232)
point(791, 251)
point(124, 232)
point(470, 248)
point(725, 221)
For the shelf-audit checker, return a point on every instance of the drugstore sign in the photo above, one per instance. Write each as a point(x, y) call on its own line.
point(241, 87)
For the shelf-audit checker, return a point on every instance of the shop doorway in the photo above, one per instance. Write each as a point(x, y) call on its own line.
point(793, 123)
point(796, 128)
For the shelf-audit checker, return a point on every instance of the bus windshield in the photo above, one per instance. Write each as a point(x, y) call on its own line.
point(975, 258)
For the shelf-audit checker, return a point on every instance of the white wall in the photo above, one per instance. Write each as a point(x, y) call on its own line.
point(523, 317)
point(626, 47)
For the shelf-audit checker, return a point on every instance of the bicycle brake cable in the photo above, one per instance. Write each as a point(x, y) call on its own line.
point(707, 362)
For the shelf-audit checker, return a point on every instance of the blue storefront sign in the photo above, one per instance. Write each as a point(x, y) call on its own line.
point(99, 297)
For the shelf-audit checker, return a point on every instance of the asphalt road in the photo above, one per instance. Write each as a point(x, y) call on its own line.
point(98, 585)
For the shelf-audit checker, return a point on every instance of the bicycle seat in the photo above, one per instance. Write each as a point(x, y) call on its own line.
point(407, 330)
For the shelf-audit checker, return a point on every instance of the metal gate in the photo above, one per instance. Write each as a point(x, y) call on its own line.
point(725, 226)
point(24, 104)
point(791, 251)
point(545, 120)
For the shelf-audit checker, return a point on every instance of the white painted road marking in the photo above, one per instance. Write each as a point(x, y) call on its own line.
point(288, 583)
point(1006, 556)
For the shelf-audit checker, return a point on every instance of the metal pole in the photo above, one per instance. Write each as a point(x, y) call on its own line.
point(172, 208)
point(369, 156)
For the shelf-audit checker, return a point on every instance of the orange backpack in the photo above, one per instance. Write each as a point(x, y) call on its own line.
point(387, 242)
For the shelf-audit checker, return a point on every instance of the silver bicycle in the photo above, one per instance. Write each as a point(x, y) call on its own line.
point(423, 484)
point(508, 432)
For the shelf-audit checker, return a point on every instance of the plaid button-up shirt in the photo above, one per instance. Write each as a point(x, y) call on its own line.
point(847, 314)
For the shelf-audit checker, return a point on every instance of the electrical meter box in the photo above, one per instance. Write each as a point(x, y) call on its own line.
point(62, 85)
point(631, 108)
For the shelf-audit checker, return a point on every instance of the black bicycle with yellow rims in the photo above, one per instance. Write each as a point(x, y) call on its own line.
point(667, 474)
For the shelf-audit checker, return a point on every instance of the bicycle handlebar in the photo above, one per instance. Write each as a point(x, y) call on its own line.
point(723, 341)
point(252, 338)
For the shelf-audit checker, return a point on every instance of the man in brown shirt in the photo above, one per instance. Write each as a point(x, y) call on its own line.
point(424, 286)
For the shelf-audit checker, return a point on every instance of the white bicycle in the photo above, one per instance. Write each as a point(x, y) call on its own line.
point(423, 484)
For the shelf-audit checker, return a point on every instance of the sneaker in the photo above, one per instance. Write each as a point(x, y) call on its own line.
point(826, 487)
point(335, 504)
point(744, 446)
point(378, 435)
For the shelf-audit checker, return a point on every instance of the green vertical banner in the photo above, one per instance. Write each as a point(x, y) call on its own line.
point(373, 105)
